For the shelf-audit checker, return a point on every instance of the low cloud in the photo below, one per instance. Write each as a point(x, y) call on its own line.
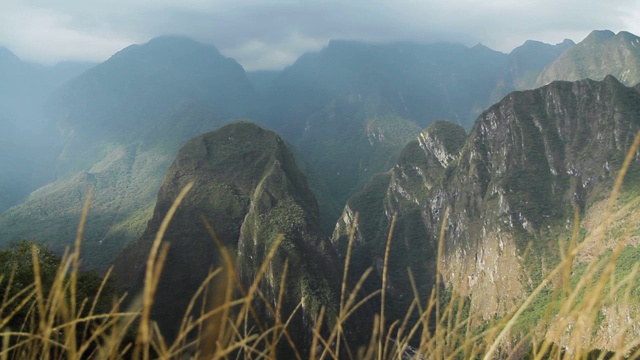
point(47, 36)
point(271, 35)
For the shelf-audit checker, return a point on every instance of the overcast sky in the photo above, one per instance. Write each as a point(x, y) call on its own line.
point(272, 34)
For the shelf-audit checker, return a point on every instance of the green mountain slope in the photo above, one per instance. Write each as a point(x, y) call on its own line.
point(600, 54)
point(122, 122)
point(403, 190)
point(247, 185)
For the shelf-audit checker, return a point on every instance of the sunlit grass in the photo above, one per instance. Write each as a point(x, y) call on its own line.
point(61, 325)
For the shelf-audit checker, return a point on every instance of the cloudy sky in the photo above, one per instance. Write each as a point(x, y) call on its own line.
point(272, 34)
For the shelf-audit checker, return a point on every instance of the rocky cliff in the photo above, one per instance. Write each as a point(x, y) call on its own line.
point(527, 163)
point(529, 160)
point(404, 190)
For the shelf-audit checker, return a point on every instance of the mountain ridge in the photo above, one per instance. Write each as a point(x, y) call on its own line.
point(600, 54)
point(121, 124)
point(124, 120)
point(528, 161)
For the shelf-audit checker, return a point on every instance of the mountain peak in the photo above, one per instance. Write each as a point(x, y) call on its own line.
point(248, 187)
point(150, 80)
point(626, 34)
point(480, 46)
point(600, 54)
point(529, 160)
point(171, 47)
point(567, 42)
point(599, 35)
point(628, 37)
point(532, 43)
point(536, 46)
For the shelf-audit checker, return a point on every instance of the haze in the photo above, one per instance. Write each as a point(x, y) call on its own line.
point(272, 35)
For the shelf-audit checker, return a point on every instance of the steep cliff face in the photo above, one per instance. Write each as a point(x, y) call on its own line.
point(247, 185)
point(403, 190)
point(528, 161)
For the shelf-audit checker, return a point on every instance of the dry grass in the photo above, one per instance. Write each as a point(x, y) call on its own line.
point(60, 325)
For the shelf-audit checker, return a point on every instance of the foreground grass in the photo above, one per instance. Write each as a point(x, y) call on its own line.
point(59, 327)
point(558, 319)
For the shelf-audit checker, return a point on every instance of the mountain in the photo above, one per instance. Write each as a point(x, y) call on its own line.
point(527, 163)
point(527, 61)
point(403, 190)
point(247, 185)
point(345, 149)
point(174, 65)
point(419, 82)
point(350, 108)
point(347, 110)
point(600, 54)
point(127, 94)
point(121, 124)
point(529, 160)
point(27, 141)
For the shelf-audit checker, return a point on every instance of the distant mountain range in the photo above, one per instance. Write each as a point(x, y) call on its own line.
point(28, 142)
point(509, 187)
point(362, 131)
point(347, 112)
point(121, 124)
point(360, 103)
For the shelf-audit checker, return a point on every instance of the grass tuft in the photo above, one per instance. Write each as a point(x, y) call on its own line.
point(49, 318)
